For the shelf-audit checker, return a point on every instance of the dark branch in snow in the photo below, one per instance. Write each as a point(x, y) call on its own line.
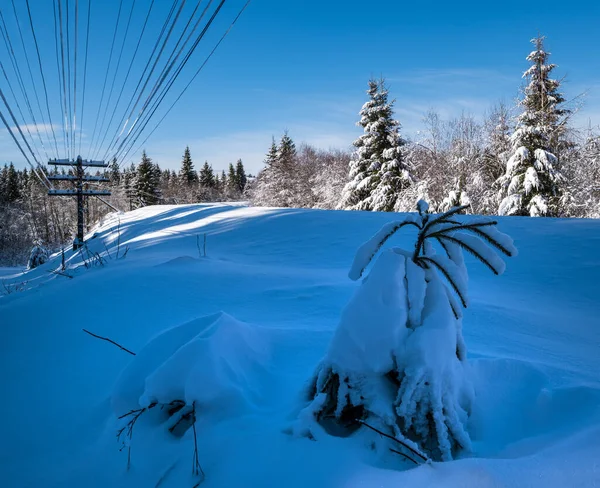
point(404, 455)
point(109, 340)
point(415, 452)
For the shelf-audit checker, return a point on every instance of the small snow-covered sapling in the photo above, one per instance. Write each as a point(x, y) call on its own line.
point(398, 358)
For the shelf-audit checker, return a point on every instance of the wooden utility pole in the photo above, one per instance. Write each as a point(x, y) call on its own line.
point(78, 178)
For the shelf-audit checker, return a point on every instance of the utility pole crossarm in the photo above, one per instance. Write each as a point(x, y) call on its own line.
point(74, 178)
point(84, 162)
point(71, 193)
point(78, 178)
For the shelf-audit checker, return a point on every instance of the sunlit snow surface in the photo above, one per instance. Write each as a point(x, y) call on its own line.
point(533, 336)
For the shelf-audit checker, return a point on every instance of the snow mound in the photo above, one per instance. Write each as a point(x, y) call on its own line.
point(215, 361)
point(519, 412)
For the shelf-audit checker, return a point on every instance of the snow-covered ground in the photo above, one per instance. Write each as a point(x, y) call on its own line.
point(280, 277)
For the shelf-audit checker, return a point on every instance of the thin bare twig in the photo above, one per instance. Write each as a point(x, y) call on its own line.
point(404, 455)
point(197, 468)
point(422, 456)
point(61, 274)
point(109, 340)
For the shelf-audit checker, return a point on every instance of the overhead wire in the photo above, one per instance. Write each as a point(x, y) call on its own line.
point(17, 125)
point(172, 60)
point(74, 128)
point(112, 46)
point(39, 58)
point(15, 65)
point(175, 76)
point(69, 91)
point(61, 62)
point(193, 77)
point(17, 103)
point(32, 80)
point(125, 119)
point(87, 43)
point(151, 72)
point(99, 141)
point(126, 79)
point(162, 70)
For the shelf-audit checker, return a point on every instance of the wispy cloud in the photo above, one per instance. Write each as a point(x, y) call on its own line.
point(463, 76)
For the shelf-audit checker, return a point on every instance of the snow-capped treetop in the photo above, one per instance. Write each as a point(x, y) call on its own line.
point(378, 173)
point(533, 180)
point(542, 113)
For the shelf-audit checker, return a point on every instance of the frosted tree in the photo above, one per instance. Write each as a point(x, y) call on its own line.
point(532, 182)
point(187, 173)
point(147, 180)
point(495, 154)
point(581, 197)
point(378, 173)
point(397, 362)
point(240, 176)
point(463, 161)
point(275, 185)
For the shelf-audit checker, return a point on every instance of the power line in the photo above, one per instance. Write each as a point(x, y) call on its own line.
point(112, 46)
point(37, 49)
point(125, 81)
point(12, 115)
point(15, 66)
point(87, 43)
point(68, 50)
point(112, 86)
point(75, 76)
point(156, 44)
point(32, 80)
point(171, 61)
point(62, 71)
point(193, 78)
point(150, 74)
point(180, 68)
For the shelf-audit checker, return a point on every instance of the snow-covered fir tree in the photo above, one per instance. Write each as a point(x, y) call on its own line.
point(275, 184)
point(533, 180)
point(114, 173)
point(265, 184)
point(581, 197)
point(147, 182)
point(187, 173)
point(397, 362)
point(232, 183)
point(378, 173)
point(240, 176)
point(207, 176)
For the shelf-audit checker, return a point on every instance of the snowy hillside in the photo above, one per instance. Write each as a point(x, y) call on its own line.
point(280, 277)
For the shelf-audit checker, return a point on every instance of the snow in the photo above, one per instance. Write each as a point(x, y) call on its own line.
point(214, 361)
point(281, 275)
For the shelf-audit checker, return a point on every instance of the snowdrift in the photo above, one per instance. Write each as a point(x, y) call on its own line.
point(215, 362)
point(532, 337)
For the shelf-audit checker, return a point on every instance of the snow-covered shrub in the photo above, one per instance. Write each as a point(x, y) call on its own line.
point(209, 368)
point(39, 255)
point(398, 359)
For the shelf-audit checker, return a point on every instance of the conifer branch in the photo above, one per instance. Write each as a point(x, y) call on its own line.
point(443, 270)
point(472, 251)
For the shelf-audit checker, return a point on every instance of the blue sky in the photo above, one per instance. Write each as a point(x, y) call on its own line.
point(304, 66)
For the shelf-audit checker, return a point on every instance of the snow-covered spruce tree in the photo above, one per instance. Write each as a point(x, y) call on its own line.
point(581, 197)
point(147, 180)
point(240, 176)
point(397, 361)
point(378, 173)
point(532, 182)
point(275, 184)
point(187, 173)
